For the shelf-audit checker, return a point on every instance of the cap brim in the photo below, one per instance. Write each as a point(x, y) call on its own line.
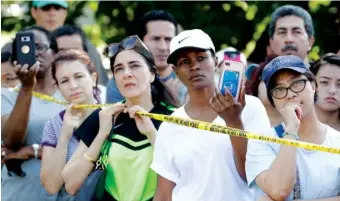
point(172, 59)
point(299, 70)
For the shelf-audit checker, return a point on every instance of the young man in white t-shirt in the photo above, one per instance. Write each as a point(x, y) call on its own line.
point(199, 165)
point(280, 172)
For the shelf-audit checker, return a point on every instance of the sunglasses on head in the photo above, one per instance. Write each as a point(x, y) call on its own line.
point(128, 43)
point(48, 7)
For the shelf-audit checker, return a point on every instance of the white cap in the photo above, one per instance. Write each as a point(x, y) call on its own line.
point(194, 38)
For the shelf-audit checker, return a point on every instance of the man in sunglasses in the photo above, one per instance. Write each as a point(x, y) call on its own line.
point(51, 15)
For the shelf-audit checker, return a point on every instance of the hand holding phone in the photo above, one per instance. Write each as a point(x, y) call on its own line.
point(26, 75)
point(231, 78)
point(24, 48)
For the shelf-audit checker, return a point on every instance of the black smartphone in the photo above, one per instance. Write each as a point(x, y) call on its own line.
point(24, 48)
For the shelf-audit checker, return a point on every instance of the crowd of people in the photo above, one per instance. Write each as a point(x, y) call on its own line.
point(50, 151)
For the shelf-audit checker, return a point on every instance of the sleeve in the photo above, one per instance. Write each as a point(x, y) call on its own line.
point(88, 130)
point(163, 159)
point(257, 120)
point(113, 95)
point(260, 156)
point(7, 104)
point(49, 137)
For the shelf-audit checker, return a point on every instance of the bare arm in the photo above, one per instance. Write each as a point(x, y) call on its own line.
point(78, 168)
point(164, 189)
point(337, 198)
point(266, 198)
point(53, 162)
point(278, 181)
point(15, 124)
point(240, 150)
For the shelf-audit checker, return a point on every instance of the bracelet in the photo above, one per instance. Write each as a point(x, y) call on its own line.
point(89, 159)
point(292, 134)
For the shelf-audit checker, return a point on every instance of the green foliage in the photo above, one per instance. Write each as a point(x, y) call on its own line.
point(234, 23)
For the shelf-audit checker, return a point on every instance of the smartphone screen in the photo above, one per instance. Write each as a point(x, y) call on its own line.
point(230, 80)
point(232, 56)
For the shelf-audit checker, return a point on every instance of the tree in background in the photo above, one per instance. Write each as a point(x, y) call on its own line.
point(239, 24)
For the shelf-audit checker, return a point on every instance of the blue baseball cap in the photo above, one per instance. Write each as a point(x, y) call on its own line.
point(40, 4)
point(290, 62)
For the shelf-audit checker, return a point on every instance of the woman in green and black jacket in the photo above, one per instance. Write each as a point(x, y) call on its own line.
point(128, 175)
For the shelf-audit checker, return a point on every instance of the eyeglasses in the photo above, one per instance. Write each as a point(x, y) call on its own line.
point(48, 7)
point(296, 87)
point(128, 43)
point(41, 48)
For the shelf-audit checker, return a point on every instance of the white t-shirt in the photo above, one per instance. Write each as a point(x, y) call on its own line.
point(319, 171)
point(201, 163)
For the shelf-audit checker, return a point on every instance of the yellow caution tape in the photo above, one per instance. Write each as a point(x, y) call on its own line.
point(206, 126)
point(238, 133)
point(53, 100)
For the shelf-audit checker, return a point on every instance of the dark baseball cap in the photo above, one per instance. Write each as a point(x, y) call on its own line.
point(290, 62)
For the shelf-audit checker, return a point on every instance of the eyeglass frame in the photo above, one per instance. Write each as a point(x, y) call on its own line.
point(290, 88)
point(46, 47)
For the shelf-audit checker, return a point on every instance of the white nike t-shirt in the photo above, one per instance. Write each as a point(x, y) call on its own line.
point(201, 163)
point(319, 171)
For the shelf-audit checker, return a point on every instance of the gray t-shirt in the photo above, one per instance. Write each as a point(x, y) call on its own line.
point(28, 187)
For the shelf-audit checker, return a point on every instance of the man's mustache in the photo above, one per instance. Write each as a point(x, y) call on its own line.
point(291, 47)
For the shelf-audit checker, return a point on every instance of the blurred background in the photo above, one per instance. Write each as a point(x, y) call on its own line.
point(240, 24)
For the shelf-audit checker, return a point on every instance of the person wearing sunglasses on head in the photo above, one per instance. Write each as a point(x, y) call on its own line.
point(128, 176)
point(23, 117)
point(280, 172)
point(195, 164)
point(327, 72)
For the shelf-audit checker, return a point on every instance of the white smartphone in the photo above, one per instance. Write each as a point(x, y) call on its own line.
point(231, 77)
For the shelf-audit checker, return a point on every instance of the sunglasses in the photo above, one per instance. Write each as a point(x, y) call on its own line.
point(127, 44)
point(48, 7)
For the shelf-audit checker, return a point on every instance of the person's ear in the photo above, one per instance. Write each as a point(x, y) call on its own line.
point(311, 41)
point(174, 69)
point(34, 13)
point(216, 61)
point(314, 86)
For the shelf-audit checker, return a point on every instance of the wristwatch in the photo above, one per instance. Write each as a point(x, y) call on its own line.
point(35, 149)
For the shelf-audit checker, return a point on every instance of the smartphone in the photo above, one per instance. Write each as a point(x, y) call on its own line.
point(24, 48)
point(231, 77)
point(232, 56)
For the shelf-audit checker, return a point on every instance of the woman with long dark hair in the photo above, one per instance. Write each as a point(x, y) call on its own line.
point(327, 72)
point(128, 176)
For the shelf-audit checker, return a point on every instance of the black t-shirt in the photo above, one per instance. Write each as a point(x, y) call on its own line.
point(125, 125)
